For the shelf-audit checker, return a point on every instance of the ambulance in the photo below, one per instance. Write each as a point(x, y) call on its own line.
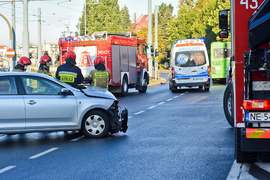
point(189, 65)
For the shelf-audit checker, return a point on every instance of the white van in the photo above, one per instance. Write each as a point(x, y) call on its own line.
point(189, 64)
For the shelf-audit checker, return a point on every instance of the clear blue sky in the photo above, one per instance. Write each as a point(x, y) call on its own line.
point(57, 17)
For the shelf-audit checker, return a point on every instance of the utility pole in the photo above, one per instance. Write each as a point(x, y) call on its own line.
point(39, 34)
point(12, 64)
point(149, 38)
point(25, 29)
point(156, 42)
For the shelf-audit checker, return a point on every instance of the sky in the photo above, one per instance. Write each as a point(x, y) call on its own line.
point(58, 16)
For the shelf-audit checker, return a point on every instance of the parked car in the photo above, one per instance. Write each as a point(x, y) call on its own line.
point(33, 102)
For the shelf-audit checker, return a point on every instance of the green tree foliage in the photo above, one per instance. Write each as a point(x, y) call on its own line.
point(196, 19)
point(104, 15)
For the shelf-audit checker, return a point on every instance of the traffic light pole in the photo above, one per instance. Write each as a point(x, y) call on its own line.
point(149, 38)
point(156, 42)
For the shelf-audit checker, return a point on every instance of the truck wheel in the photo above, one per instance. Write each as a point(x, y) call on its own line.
point(240, 156)
point(144, 86)
point(124, 87)
point(172, 87)
point(95, 124)
point(265, 157)
point(207, 88)
point(228, 104)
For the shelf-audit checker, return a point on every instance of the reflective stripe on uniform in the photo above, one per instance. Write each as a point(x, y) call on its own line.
point(67, 78)
point(67, 72)
point(101, 74)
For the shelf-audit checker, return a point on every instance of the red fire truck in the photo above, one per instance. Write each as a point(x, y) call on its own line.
point(249, 24)
point(125, 56)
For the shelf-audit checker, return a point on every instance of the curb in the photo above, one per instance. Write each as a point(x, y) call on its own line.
point(158, 82)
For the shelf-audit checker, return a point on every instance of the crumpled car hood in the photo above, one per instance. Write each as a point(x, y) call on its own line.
point(98, 92)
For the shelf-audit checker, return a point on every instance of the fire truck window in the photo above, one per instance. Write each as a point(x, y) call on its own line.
point(145, 50)
point(138, 49)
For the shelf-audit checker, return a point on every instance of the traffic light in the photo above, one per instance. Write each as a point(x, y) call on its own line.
point(156, 53)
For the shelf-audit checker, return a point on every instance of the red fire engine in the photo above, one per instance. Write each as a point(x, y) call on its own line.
point(249, 24)
point(125, 56)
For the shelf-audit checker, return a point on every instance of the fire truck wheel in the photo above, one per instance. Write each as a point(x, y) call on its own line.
point(95, 124)
point(265, 156)
point(124, 87)
point(144, 86)
point(241, 156)
point(228, 104)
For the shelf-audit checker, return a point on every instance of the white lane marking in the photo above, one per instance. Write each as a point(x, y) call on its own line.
point(139, 112)
point(152, 107)
point(129, 117)
point(161, 103)
point(43, 153)
point(6, 169)
point(77, 139)
point(175, 97)
point(169, 99)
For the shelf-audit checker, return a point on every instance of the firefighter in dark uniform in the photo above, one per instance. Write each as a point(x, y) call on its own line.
point(68, 72)
point(44, 66)
point(22, 64)
point(100, 76)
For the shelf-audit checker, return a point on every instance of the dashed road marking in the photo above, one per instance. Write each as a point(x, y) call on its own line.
point(6, 169)
point(169, 99)
point(152, 107)
point(161, 103)
point(77, 139)
point(43, 153)
point(129, 117)
point(139, 112)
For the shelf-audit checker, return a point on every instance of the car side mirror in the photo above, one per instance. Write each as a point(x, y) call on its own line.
point(65, 91)
point(223, 34)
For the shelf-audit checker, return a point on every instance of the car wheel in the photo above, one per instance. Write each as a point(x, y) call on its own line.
point(144, 86)
point(124, 87)
point(207, 88)
point(228, 104)
point(95, 124)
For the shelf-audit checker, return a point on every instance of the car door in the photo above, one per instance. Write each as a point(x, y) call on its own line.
point(12, 110)
point(199, 70)
point(183, 71)
point(45, 106)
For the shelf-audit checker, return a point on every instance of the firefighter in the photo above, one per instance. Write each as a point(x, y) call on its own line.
point(44, 66)
point(68, 72)
point(100, 76)
point(22, 64)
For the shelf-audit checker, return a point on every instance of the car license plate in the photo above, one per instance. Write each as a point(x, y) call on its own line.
point(183, 79)
point(198, 79)
point(258, 116)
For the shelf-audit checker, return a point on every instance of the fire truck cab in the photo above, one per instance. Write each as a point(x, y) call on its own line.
point(125, 56)
point(249, 24)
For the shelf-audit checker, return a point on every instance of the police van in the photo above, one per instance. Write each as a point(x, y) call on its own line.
point(189, 64)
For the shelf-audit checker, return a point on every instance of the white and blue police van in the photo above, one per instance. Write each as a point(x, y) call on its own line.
point(189, 64)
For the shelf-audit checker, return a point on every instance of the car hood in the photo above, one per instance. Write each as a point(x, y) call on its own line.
point(98, 92)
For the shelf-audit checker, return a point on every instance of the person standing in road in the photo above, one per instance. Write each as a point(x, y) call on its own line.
point(100, 76)
point(44, 66)
point(68, 72)
point(22, 65)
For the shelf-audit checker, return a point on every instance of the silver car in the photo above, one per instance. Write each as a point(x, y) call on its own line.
point(33, 102)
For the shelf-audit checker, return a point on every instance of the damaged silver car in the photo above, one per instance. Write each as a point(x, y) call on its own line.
point(33, 102)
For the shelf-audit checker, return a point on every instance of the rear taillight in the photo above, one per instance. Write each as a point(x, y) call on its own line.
point(256, 104)
point(173, 73)
point(208, 67)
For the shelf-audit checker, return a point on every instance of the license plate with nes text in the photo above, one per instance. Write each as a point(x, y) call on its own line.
point(258, 116)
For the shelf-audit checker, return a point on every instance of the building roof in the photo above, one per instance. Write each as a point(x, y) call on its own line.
point(141, 22)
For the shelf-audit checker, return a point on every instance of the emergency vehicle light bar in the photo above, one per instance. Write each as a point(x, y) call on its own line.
point(256, 104)
point(105, 34)
point(184, 41)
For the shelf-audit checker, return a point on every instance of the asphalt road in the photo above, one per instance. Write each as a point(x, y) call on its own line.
point(182, 135)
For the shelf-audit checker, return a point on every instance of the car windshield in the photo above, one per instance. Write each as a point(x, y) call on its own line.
point(190, 58)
